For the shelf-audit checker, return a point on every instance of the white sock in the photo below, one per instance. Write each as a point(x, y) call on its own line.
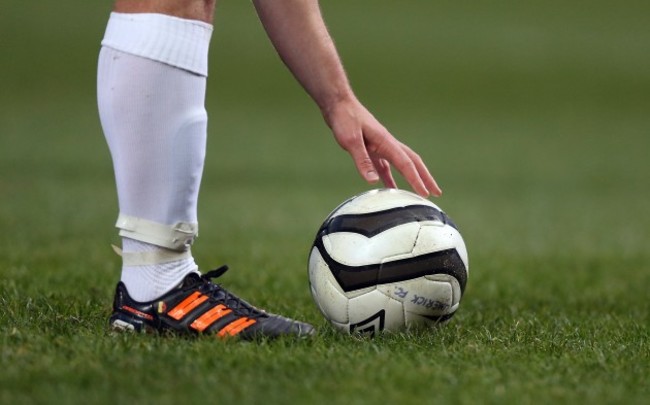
point(156, 127)
point(151, 91)
point(148, 282)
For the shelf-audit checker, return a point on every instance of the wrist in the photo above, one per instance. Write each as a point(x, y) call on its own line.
point(332, 104)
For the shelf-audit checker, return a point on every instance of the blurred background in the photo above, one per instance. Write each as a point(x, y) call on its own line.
point(533, 117)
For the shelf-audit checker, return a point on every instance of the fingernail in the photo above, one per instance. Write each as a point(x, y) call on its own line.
point(372, 176)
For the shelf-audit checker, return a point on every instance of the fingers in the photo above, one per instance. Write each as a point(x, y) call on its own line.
point(409, 164)
point(384, 172)
point(429, 182)
point(362, 161)
point(374, 150)
point(373, 161)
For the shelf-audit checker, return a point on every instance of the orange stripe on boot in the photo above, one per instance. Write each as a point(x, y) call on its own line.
point(236, 326)
point(208, 318)
point(188, 304)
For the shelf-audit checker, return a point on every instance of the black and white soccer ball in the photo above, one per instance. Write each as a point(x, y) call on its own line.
point(386, 260)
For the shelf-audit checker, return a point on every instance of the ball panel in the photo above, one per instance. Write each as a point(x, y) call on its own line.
point(375, 312)
point(441, 262)
point(427, 297)
point(357, 250)
point(453, 283)
point(373, 223)
point(364, 306)
point(433, 237)
point(331, 299)
point(394, 316)
point(341, 326)
point(378, 200)
point(422, 296)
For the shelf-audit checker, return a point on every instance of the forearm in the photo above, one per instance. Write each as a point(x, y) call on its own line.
point(297, 31)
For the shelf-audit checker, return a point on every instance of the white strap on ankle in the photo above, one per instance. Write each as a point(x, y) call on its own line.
point(178, 237)
point(151, 258)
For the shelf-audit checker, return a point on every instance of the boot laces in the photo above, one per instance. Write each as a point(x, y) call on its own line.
point(221, 295)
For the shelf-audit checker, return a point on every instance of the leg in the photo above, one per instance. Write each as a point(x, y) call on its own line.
point(151, 91)
point(201, 10)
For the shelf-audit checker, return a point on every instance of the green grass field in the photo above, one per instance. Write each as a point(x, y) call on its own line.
point(534, 117)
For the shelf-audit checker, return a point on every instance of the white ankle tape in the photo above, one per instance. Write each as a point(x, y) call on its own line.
point(178, 237)
point(151, 258)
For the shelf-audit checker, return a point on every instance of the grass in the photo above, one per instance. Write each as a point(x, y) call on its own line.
point(533, 117)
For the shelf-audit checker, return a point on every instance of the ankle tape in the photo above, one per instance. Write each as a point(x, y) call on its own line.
point(178, 237)
point(150, 258)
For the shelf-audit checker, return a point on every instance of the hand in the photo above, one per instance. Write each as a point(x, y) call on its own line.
point(374, 149)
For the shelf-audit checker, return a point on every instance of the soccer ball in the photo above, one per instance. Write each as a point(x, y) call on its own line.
point(386, 260)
